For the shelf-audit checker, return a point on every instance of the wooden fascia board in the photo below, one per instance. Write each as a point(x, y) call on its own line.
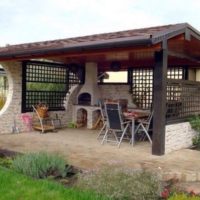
point(82, 47)
point(76, 54)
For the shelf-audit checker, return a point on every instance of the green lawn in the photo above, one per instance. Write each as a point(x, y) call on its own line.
point(19, 187)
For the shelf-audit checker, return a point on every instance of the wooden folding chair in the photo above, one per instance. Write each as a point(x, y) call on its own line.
point(116, 127)
point(143, 127)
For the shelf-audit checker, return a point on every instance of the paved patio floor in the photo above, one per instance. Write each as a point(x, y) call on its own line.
point(81, 148)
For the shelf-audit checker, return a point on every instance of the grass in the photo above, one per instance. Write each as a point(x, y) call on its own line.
point(19, 187)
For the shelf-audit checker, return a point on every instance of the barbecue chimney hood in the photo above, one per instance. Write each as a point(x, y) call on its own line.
point(90, 86)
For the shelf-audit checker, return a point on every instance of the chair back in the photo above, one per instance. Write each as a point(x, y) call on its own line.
point(148, 120)
point(114, 117)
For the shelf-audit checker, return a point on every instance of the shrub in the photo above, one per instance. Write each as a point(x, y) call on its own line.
point(196, 141)
point(121, 184)
point(39, 165)
point(183, 196)
point(195, 124)
point(6, 162)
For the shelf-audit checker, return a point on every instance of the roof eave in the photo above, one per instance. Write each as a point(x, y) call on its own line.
point(184, 28)
point(81, 47)
point(171, 32)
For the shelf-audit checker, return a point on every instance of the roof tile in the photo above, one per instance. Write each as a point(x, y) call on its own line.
point(144, 32)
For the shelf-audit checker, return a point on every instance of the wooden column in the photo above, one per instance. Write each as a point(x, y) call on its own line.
point(159, 102)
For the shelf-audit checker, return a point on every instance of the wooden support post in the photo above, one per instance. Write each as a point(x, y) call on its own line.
point(159, 102)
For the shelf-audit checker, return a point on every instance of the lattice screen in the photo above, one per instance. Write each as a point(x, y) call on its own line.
point(142, 86)
point(183, 99)
point(47, 83)
point(141, 80)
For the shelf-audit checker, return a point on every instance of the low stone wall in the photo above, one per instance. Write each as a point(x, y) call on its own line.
point(178, 136)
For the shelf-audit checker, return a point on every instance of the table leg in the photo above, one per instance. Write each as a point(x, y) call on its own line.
point(132, 132)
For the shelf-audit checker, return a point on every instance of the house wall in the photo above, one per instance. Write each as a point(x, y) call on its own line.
point(115, 91)
point(178, 136)
point(11, 112)
point(192, 74)
point(197, 75)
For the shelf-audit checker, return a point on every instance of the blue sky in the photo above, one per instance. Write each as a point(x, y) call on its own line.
point(24, 21)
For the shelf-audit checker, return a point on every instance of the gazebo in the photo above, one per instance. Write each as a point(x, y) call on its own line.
point(163, 71)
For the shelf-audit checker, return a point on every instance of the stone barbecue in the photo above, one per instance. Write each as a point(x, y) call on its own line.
point(86, 109)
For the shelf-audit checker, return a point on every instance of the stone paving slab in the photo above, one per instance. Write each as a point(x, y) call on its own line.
point(82, 149)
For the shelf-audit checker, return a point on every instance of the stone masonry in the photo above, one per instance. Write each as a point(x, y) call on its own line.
point(11, 112)
point(178, 136)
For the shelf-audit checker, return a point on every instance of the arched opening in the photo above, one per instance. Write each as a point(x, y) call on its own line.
point(84, 99)
point(81, 118)
point(3, 87)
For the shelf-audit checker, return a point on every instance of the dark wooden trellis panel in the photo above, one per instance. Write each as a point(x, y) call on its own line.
point(183, 100)
point(59, 76)
point(141, 81)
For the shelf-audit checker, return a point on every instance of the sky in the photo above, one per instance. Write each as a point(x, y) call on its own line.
point(23, 21)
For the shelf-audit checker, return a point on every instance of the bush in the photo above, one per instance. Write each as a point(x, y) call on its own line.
point(120, 184)
point(183, 197)
point(195, 124)
point(6, 162)
point(39, 165)
point(196, 141)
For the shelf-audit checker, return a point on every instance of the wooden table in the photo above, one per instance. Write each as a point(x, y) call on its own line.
point(132, 116)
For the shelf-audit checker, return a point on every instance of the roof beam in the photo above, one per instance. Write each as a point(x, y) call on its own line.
point(166, 36)
point(187, 34)
point(183, 56)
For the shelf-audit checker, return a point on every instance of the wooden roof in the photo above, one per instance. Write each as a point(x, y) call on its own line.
point(126, 46)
